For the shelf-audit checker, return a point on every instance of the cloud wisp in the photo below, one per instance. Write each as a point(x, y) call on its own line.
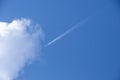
point(19, 43)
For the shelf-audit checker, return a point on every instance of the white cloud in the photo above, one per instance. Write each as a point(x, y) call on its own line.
point(19, 43)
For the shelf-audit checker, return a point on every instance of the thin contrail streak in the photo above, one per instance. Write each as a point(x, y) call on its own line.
point(69, 31)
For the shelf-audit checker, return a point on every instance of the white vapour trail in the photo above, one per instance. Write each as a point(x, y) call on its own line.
point(19, 43)
point(68, 31)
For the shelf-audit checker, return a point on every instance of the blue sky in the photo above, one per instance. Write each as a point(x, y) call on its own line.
point(90, 52)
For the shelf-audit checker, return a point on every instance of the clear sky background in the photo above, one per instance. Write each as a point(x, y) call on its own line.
point(91, 52)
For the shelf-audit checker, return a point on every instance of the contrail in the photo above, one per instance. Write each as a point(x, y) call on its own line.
point(69, 31)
